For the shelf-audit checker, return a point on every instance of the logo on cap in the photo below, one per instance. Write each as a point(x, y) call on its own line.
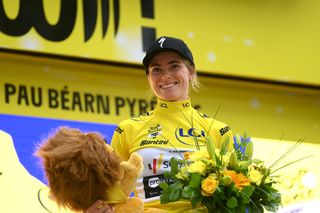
point(161, 41)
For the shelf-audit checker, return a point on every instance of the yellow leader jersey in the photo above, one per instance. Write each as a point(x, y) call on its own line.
point(168, 131)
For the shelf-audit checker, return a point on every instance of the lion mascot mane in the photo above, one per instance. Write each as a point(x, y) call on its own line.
point(82, 168)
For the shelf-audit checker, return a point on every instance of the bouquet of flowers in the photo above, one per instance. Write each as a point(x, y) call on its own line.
point(221, 180)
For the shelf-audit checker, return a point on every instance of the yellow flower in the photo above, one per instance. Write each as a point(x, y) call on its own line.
point(198, 155)
point(226, 158)
point(239, 179)
point(209, 185)
point(186, 155)
point(210, 163)
point(255, 176)
point(182, 174)
point(226, 180)
point(197, 167)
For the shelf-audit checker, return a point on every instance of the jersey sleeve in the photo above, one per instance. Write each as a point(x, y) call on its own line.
point(228, 136)
point(222, 132)
point(119, 142)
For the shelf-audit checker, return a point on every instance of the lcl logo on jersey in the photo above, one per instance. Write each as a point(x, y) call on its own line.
point(187, 136)
point(186, 105)
point(163, 105)
point(119, 130)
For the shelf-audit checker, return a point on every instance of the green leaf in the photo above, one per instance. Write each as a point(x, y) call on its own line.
point(211, 148)
point(176, 186)
point(256, 209)
point(195, 201)
point(224, 146)
point(244, 164)
point(242, 208)
point(232, 202)
point(196, 142)
point(233, 161)
point(238, 139)
point(167, 174)
point(257, 161)
point(165, 195)
point(175, 196)
point(225, 181)
point(245, 136)
point(246, 193)
point(189, 192)
point(164, 199)
point(174, 166)
point(245, 199)
point(229, 187)
point(195, 180)
point(248, 190)
point(249, 150)
point(164, 185)
point(175, 193)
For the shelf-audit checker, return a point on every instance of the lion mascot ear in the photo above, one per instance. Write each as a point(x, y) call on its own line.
point(82, 168)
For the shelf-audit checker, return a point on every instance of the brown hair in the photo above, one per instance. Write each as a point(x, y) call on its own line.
point(194, 82)
point(78, 166)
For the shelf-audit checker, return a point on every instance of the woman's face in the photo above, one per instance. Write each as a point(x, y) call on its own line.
point(169, 76)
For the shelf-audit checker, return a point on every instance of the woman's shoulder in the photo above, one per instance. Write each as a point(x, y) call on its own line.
point(209, 120)
point(141, 119)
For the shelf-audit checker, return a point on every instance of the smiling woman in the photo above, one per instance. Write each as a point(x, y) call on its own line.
point(172, 128)
point(171, 68)
point(169, 76)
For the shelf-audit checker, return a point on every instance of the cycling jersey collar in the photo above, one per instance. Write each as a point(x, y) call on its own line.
point(169, 106)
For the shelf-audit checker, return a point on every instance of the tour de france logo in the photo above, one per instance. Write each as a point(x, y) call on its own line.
point(154, 132)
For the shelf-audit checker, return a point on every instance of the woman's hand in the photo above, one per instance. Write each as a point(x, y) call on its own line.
point(98, 207)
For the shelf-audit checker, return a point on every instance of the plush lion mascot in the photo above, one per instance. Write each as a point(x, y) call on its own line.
point(82, 168)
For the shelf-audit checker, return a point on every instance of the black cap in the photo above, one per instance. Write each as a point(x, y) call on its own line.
point(165, 43)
